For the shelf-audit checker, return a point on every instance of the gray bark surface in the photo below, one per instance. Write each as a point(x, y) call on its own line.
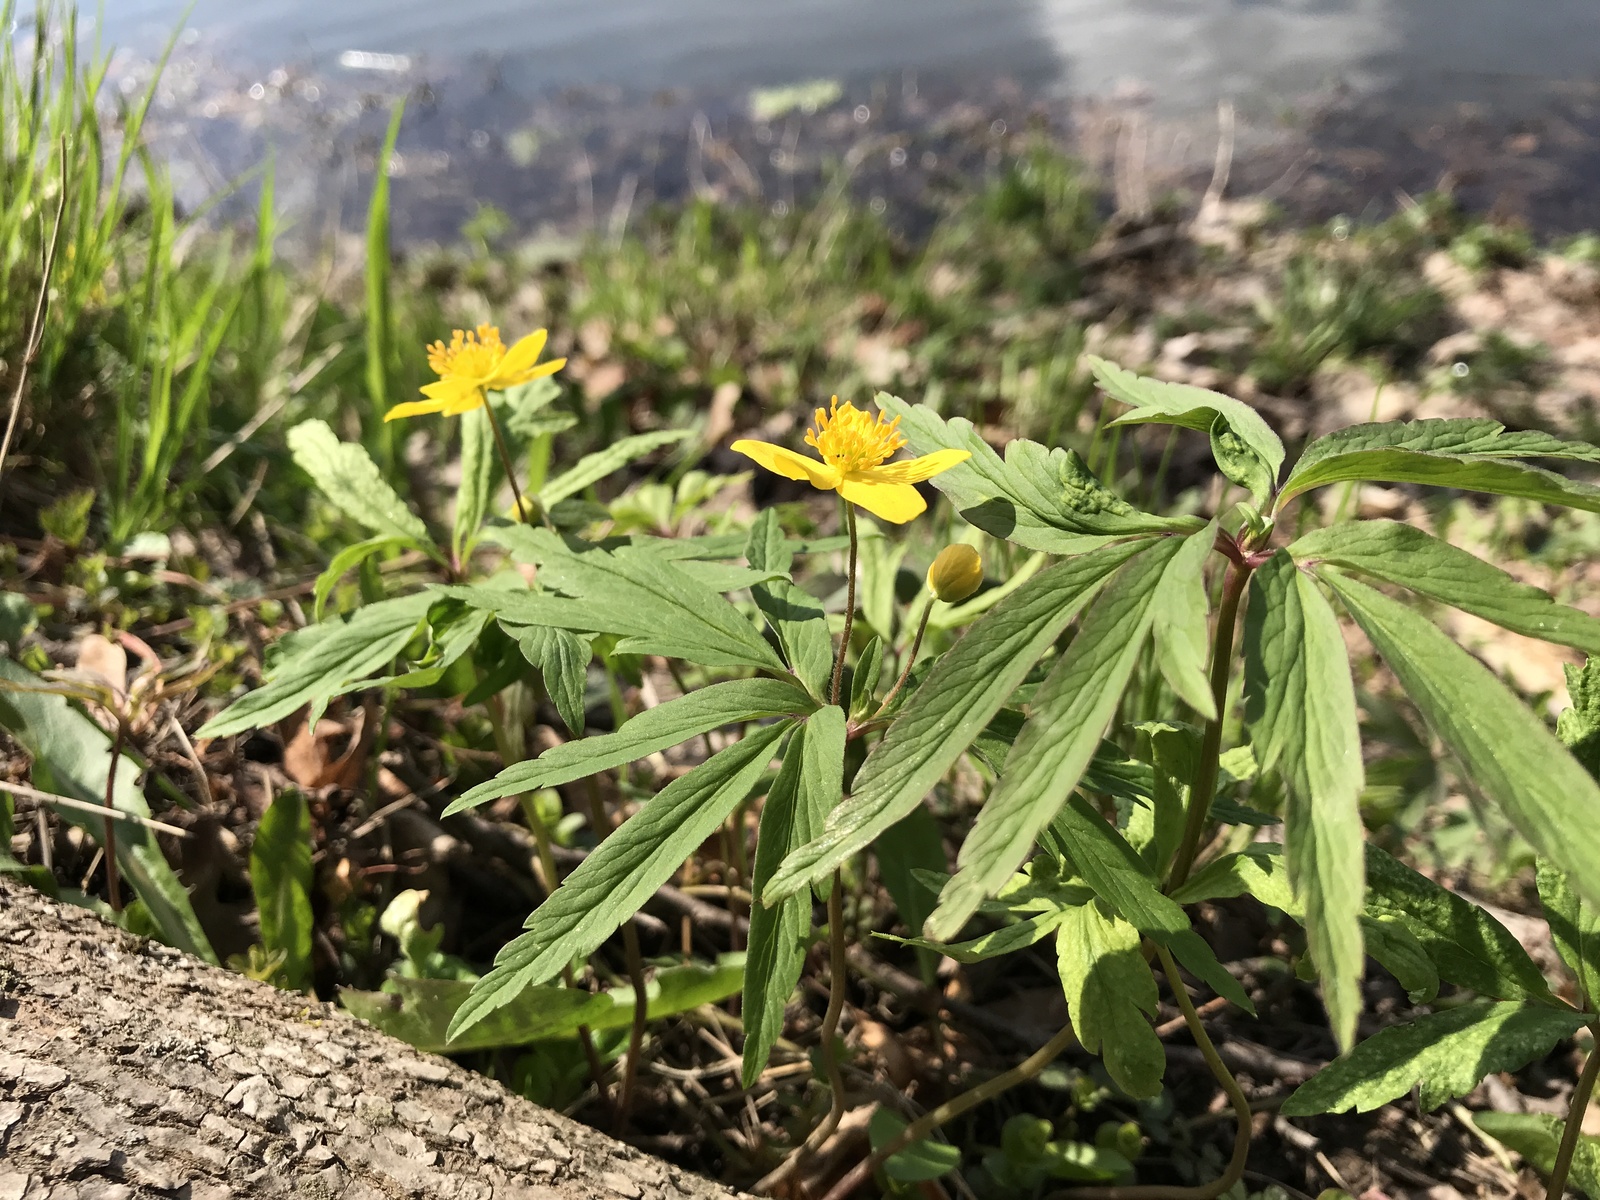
point(128, 1069)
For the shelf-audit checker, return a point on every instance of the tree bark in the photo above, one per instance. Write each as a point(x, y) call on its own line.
point(128, 1069)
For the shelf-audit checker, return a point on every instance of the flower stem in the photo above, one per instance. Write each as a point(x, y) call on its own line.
point(925, 1125)
point(1230, 1085)
point(1205, 781)
point(641, 1002)
point(523, 513)
point(911, 658)
point(113, 881)
point(849, 608)
point(1574, 1126)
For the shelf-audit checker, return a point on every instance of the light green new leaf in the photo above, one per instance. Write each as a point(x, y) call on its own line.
point(1300, 708)
point(345, 560)
point(563, 661)
point(1181, 609)
point(592, 468)
point(1110, 996)
point(1039, 498)
point(1575, 929)
point(1446, 1053)
point(1506, 749)
point(795, 615)
point(1405, 555)
point(1155, 402)
point(1070, 713)
point(1126, 884)
point(473, 496)
point(806, 789)
point(963, 691)
point(922, 1160)
point(72, 757)
point(1537, 1137)
point(280, 876)
point(315, 664)
point(623, 872)
point(346, 475)
point(1241, 464)
point(669, 724)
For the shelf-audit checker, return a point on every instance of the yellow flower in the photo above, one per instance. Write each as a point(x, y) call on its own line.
point(855, 446)
point(474, 364)
point(956, 573)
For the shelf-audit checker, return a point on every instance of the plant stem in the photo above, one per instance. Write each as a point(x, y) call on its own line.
point(523, 513)
point(641, 1002)
point(1230, 1085)
point(35, 338)
point(929, 1122)
point(1205, 781)
point(838, 969)
point(113, 880)
point(849, 609)
point(1574, 1126)
point(911, 658)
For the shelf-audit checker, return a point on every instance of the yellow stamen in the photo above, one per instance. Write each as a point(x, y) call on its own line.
point(852, 440)
point(471, 355)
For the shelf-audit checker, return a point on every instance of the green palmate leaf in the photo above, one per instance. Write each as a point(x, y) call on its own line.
point(806, 789)
point(72, 757)
point(1537, 1137)
point(624, 871)
point(1110, 996)
point(315, 664)
point(961, 694)
point(1070, 712)
point(347, 559)
point(1125, 882)
point(473, 496)
point(652, 603)
point(1043, 499)
point(701, 711)
point(1181, 609)
point(346, 475)
point(1575, 929)
point(796, 617)
point(563, 661)
point(1446, 1054)
point(592, 468)
point(280, 876)
point(1506, 750)
point(1300, 707)
point(1405, 555)
point(1155, 402)
point(1472, 454)
point(914, 844)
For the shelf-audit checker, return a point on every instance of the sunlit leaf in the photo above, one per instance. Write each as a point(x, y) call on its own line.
point(1110, 996)
point(280, 876)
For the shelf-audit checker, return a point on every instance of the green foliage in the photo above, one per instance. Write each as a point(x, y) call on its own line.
point(1110, 996)
point(280, 876)
point(1536, 1137)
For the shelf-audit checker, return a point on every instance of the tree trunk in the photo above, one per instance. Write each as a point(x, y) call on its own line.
point(128, 1069)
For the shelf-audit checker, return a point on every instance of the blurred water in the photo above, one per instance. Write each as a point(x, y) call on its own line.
point(1182, 53)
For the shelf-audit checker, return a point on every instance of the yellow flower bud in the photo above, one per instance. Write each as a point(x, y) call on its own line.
point(956, 573)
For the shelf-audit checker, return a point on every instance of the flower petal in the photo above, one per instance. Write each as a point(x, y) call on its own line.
point(413, 408)
point(896, 503)
point(915, 470)
point(789, 464)
point(520, 358)
point(454, 395)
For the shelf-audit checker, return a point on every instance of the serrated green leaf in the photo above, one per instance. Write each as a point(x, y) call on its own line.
point(864, 679)
point(960, 696)
point(795, 616)
point(1240, 463)
point(1257, 870)
point(1070, 713)
point(1110, 996)
point(1392, 944)
point(623, 871)
point(323, 661)
point(1537, 1137)
point(351, 556)
point(280, 876)
point(668, 724)
point(1578, 727)
point(1039, 498)
point(1300, 708)
point(1190, 407)
point(592, 468)
point(922, 1160)
point(1447, 1054)
point(1470, 948)
point(1181, 609)
point(1008, 939)
point(1455, 435)
point(807, 788)
point(1575, 930)
point(71, 756)
point(1506, 749)
point(1405, 555)
point(563, 661)
point(476, 490)
point(346, 475)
